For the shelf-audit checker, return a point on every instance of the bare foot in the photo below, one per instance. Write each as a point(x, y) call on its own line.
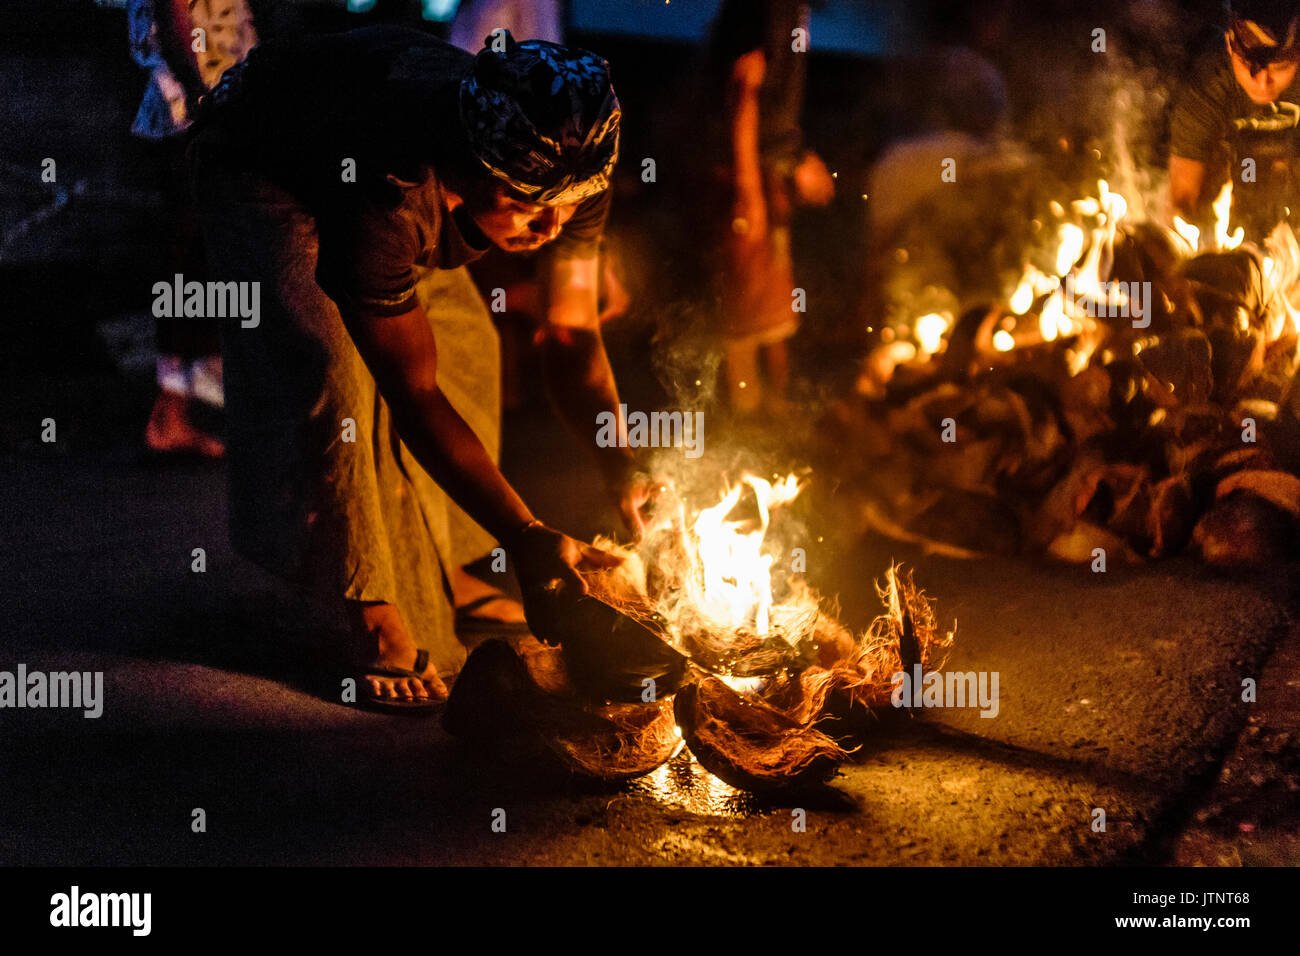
point(380, 625)
point(466, 589)
point(170, 430)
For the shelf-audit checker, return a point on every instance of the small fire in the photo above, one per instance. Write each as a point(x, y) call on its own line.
point(1188, 233)
point(1223, 240)
point(1222, 207)
point(1070, 249)
point(1052, 320)
point(1082, 259)
point(733, 587)
point(723, 588)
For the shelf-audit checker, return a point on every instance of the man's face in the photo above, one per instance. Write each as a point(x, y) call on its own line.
point(515, 224)
point(1263, 84)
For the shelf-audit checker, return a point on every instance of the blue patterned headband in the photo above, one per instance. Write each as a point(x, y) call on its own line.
point(543, 118)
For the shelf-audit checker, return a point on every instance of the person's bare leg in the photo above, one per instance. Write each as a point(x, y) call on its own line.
point(776, 359)
point(743, 389)
point(171, 430)
point(465, 588)
point(385, 639)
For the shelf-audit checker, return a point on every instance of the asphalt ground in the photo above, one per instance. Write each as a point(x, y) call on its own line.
point(1118, 691)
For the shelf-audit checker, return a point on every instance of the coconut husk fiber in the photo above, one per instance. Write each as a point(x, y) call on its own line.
point(906, 634)
point(750, 744)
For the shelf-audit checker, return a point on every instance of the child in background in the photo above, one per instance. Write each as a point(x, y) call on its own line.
point(163, 37)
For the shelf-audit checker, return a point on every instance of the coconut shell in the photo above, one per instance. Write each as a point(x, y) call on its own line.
point(1180, 368)
point(1238, 359)
point(608, 654)
point(620, 741)
point(1078, 544)
point(1243, 530)
point(1279, 488)
point(969, 522)
point(1172, 516)
point(1224, 282)
point(749, 744)
point(524, 694)
point(833, 641)
point(489, 694)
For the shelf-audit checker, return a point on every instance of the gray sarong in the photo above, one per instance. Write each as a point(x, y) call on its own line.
point(351, 519)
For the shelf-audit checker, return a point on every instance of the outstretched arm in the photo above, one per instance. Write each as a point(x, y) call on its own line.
point(401, 353)
point(580, 379)
point(750, 211)
point(1187, 189)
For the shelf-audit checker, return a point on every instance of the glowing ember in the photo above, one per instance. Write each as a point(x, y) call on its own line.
point(1003, 340)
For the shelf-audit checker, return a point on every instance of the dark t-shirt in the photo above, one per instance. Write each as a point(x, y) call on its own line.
point(1213, 121)
point(334, 120)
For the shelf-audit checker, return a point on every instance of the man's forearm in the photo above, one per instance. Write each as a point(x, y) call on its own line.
point(581, 384)
point(449, 450)
point(577, 370)
point(401, 353)
point(1189, 191)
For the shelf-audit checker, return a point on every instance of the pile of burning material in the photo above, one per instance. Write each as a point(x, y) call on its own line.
point(709, 654)
point(1132, 395)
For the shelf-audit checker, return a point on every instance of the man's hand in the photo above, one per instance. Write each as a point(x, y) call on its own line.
point(634, 494)
point(1187, 189)
point(548, 564)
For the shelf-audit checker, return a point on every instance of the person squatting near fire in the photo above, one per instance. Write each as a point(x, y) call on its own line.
point(759, 47)
point(353, 176)
point(185, 45)
point(1237, 120)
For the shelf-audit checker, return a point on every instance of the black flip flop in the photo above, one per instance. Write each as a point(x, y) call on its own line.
point(413, 707)
point(469, 623)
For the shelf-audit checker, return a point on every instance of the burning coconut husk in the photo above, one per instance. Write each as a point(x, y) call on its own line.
point(1128, 373)
point(524, 692)
point(906, 635)
point(766, 662)
point(749, 744)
